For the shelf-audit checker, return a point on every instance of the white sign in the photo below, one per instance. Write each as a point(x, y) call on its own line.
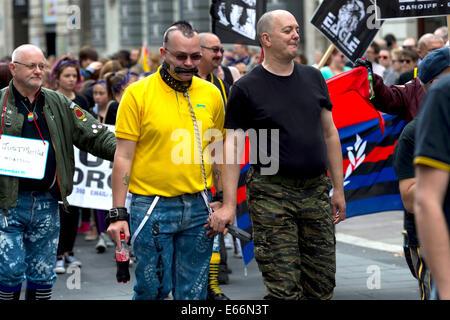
point(22, 157)
point(92, 186)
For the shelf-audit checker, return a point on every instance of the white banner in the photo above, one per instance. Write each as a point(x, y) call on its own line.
point(92, 186)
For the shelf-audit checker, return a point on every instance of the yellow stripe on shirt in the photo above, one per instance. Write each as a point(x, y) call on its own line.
point(432, 163)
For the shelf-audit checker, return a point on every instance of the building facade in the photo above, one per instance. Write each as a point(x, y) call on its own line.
point(64, 26)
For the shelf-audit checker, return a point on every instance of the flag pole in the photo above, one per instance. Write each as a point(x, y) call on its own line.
point(326, 56)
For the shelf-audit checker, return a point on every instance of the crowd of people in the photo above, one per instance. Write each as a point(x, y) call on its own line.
point(292, 215)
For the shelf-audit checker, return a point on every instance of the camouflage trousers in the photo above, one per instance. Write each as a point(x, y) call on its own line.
point(293, 231)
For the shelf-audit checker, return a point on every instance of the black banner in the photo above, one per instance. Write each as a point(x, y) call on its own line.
point(350, 25)
point(234, 21)
point(393, 9)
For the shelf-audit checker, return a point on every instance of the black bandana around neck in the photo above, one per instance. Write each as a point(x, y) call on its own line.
point(177, 85)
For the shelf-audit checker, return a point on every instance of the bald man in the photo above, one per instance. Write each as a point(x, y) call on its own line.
point(293, 224)
point(162, 122)
point(49, 125)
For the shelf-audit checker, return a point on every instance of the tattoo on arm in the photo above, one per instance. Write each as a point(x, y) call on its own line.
point(126, 180)
point(216, 174)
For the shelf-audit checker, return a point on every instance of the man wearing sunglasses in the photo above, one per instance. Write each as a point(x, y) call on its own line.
point(37, 119)
point(162, 122)
point(212, 56)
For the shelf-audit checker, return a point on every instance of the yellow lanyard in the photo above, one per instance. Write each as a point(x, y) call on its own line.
point(221, 85)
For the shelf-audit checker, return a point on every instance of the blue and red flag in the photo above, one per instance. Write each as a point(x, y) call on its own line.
point(242, 214)
point(368, 139)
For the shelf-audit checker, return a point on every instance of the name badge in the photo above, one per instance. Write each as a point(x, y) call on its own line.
point(23, 157)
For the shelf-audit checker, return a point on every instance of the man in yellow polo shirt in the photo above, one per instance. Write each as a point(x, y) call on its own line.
point(160, 122)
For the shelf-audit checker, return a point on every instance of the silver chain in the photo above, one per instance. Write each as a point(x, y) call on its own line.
point(199, 143)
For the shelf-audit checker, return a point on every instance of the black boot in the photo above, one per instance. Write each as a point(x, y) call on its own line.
point(214, 291)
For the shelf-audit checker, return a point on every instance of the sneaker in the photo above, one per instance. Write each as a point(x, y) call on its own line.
point(59, 266)
point(84, 227)
point(228, 239)
point(109, 243)
point(101, 245)
point(72, 261)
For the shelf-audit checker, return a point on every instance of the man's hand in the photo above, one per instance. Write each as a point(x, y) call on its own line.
point(363, 62)
point(115, 229)
point(338, 206)
point(222, 216)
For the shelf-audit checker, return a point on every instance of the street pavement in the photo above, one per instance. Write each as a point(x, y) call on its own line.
point(370, 266)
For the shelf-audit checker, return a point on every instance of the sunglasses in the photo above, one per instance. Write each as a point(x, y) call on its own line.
point(214, 49)
point(384, 57)
point(183, 56)
point(404, 61)
point(32, 66)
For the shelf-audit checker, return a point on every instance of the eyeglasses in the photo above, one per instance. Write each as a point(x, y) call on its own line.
point(214, 49)
point(32, 66)
point(184, 56)
point(404, 61)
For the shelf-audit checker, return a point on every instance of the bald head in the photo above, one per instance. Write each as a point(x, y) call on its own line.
point(427, 43)
point(25, 49)
point(266, 22)
point(207, 37)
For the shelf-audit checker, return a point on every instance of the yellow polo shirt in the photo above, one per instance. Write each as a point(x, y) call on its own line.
point(167, 161)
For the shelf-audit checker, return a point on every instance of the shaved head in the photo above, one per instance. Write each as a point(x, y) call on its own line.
point(206, 37)
point(266, 22)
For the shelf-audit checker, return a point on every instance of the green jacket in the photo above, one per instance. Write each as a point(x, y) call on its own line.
point(69, 125)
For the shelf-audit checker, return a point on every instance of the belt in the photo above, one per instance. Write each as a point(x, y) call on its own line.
point(300, 182)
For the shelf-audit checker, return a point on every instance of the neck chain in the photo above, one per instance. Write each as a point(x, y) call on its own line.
point(32, 115)
point(177, 85)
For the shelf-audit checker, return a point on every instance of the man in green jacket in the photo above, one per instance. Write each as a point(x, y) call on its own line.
point(38, 128)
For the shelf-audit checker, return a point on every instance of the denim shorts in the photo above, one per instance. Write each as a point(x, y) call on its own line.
point(172, 250)
point(28, 244)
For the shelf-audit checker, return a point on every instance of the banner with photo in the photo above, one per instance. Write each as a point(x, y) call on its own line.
point(234, 21)
point(350, 25)
point(394, 9)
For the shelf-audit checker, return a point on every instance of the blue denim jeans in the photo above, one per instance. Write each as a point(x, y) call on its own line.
point(28, 245)
point(172, 250)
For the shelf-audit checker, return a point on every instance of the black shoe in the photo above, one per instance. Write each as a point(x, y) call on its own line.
point(223, 277)
point(217, 296)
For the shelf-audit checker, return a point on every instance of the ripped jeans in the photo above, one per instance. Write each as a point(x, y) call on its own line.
point(28, 244)
point(172, 250)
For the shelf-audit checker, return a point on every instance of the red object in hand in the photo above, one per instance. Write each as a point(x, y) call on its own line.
point(123, 262)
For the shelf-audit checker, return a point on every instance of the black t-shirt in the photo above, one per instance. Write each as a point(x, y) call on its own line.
point(81, 101)
point(404, 169)
point(433, 132)
point(29, 130)
point(293, 105)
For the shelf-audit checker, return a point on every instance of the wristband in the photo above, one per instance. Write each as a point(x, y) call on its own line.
point(117, 214)
point(218, 196)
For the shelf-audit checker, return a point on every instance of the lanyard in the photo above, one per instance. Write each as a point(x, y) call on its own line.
point(4, 112)
point(34, 118)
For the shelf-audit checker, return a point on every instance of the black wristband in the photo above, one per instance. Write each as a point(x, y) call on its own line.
point(117, 214)
point(218, 196)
